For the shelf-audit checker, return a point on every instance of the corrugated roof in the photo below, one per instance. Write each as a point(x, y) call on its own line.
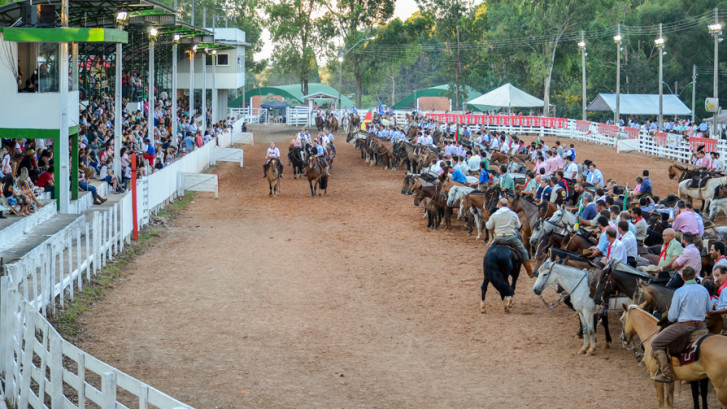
point(640, 104)
point(293, 93)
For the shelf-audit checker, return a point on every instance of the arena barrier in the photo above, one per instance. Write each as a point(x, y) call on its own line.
point(670, 146)
point(52, 273)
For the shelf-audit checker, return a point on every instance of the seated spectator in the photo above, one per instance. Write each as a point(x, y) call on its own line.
point(25, 187)
point(159, 164)
point(113, 181)
point(47, 182)
point(15, 198)
point(84, 186)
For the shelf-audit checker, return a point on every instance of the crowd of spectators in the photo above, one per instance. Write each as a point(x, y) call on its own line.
point(27, 169)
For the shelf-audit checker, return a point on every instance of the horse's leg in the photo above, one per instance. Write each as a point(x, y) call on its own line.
point(694, 385)
point(660, 388)
point(312, 193)
point(607, 332)
point(584, 318)
point(485, 282)
point(704, 391)
point(478, 223)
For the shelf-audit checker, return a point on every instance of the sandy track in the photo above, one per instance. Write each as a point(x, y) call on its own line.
point(347, 302)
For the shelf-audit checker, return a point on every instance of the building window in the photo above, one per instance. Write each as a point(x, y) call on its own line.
point(45, 75)
point(223, 59)
point(209, 59)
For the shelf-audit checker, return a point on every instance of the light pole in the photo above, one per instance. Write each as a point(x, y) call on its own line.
point(582, 46)
point(191, 82)
point(340, 64)
point(122, 20)
point(153, 33)
point(716, 31)
point(694, 89)
point(175, 45)
point(204, 90)
point(617, 40)
point(659, 42)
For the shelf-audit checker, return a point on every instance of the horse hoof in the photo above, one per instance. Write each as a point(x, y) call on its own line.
point(607, 345)
point(482, 307)
point(589, 352)
point(582, 351)
point(508, 301)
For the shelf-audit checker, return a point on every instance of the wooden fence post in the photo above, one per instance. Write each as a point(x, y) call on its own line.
point(108, 390)
point(56, 369)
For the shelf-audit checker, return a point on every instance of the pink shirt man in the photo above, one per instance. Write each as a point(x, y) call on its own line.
point(686, 222)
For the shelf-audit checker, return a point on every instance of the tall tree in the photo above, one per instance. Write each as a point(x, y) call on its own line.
point(452, 18)
point(298, 35)
point(539, 25)
point(354, 19)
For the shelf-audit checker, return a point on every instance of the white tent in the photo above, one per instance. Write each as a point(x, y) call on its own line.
point(640, 104)
point(508, 96)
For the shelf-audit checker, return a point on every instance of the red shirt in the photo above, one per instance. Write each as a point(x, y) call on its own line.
point(43, 179)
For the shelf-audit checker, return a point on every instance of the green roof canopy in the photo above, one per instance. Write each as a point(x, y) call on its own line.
point(293, 93)
point(439, 91)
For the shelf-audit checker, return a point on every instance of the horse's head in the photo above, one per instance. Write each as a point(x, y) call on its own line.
point(628, 331)
point(544, 276)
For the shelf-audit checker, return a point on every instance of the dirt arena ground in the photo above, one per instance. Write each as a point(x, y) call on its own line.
point(347, 301)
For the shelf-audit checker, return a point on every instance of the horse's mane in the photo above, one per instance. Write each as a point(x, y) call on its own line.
point(633, 307)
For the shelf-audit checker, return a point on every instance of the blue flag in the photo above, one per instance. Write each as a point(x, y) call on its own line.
point(381, 107)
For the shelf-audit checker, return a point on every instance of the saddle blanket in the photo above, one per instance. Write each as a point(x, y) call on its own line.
point(691, 354)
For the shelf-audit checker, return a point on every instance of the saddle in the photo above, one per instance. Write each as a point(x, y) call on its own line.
point(700, 181)
point(512, 248)
point(691, 354)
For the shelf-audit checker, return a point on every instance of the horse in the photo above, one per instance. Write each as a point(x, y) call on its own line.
point(273, 176)
point(680, 172)
point(296, 155)
point(712, 361)
point(704, 194)
point(321, 123)
point(333, 123)
point(575, 283)
point(500, 263)
point(316, 176)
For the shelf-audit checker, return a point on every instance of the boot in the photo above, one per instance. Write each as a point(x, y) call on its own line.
point(665, 373)
point(99, 199)
point(528, 268)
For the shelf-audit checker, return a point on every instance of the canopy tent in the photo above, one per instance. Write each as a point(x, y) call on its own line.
point(640, 104)
point(439, 91)
point(508, 96)
point(275, 104)
point(293, 94)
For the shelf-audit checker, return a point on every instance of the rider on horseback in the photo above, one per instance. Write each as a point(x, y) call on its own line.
point(321, 155)
point(272, 153)
point(688, 309)
point(506, 224)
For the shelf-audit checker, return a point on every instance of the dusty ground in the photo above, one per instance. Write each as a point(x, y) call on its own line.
point(347, 301)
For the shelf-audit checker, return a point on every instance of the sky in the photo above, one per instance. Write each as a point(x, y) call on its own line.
point(404, 9)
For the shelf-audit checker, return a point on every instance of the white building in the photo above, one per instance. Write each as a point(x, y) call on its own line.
point(229, 72)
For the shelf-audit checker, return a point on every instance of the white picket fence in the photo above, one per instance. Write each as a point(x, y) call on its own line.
point(50, 275)
point(299, 116)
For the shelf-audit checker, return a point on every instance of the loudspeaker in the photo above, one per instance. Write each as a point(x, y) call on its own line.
point(29, 14)
point(46, 15)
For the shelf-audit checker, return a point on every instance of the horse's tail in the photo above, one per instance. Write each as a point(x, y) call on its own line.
point(323, 182)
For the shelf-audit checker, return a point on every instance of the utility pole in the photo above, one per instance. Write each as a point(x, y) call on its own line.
point(694, 90)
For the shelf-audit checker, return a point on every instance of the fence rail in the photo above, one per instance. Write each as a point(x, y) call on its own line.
point(670, 146)
point(54, 272)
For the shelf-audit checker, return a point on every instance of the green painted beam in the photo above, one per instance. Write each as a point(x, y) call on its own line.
point(67, 34)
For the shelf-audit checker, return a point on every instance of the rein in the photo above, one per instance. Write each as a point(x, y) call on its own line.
point(642, 342)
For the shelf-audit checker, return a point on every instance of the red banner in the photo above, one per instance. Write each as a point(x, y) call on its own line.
point(660, 138)
point(633, 133)
point(710, 145)
point(608, 130)
point(583, 126)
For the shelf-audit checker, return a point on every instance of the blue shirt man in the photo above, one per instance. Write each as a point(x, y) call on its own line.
point(589, 212)
point(458, 176)
point(595, 177)
point(485, 178)
point(646, 186)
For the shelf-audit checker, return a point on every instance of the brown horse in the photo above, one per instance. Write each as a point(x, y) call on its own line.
point(681, 173)
point(273, 176)
point(712, 362)
point(499, 157)
point(316, 176)
point(333, 123)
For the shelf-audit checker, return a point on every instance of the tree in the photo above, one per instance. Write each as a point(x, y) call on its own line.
point(298, 35)
point(354, 17)
point(540, 25)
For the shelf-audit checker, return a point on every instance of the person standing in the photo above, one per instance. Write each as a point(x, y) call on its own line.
point(689, 307)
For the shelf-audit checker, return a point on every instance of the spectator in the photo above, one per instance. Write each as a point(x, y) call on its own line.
point(47, 182)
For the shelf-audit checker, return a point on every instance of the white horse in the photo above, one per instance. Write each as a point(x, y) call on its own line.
point(346, 124)
point(704, 194)
point(456, 193)
point(716, 206)
point(560, 222)
point(575, 283)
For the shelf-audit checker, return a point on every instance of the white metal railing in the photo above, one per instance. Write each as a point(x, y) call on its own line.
point(671, 146)
point(248, 114)
point(55, 271)
point(299, 116)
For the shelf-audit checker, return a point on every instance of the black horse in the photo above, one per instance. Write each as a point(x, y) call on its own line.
point(297, 160)
point(500, 263)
